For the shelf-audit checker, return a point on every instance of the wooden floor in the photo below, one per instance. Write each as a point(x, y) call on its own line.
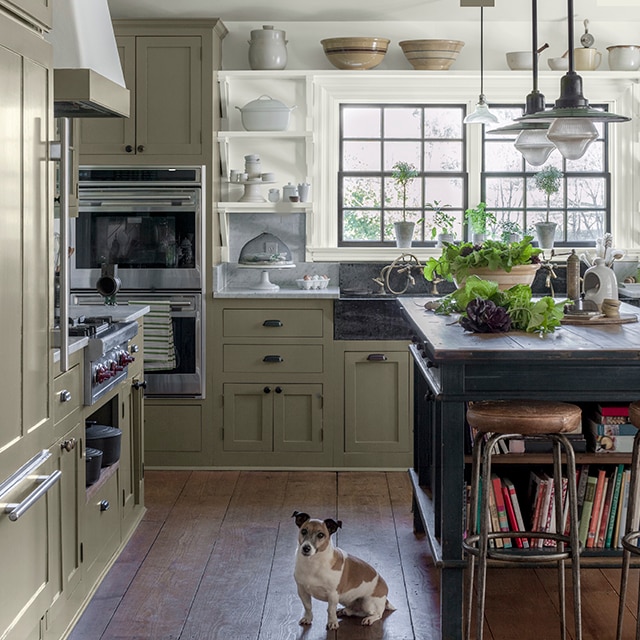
point(213, 560)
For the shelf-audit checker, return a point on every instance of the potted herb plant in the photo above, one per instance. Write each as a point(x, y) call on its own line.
point(548, 180)
point(510, 231)
point(507, 263)
point(443, 223)
point(478, 217)
point(403, 173)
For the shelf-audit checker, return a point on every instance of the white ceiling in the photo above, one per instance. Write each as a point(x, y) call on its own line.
point(370, 10)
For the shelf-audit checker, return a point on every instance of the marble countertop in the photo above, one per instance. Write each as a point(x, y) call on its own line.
point(283, 293)
point(118, 312)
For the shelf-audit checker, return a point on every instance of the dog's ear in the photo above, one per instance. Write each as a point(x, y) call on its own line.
point(332, 525)
point(300, 517)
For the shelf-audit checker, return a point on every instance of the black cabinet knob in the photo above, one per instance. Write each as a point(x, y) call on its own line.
point(129, 149)
point(267, 390)
point(278, 389)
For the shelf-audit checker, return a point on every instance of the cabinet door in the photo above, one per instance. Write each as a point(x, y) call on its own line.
point(297, 417)
point(40, 10)
point(125, 469)
point(168, 95)
point(106, 136)
point(376, 414)
point(25, 395)
point(248, 417)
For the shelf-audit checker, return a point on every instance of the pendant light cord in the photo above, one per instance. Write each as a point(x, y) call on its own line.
point(534, 42)
point(570, 34)
point(482, 51)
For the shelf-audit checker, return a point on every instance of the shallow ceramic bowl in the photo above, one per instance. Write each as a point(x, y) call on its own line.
point(431, 55)
point(624, 57)
point(355, 52)
point(558, 64)
point(520, 60)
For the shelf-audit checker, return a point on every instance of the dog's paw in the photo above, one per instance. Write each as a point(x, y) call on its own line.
point(370, 620)
point(305, 620)
point(343, 613)
point(332, 625)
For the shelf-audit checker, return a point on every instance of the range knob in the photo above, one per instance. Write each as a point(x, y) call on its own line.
point(125, 358)
point(103, 374)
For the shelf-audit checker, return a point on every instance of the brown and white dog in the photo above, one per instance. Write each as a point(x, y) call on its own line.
point(328, 573)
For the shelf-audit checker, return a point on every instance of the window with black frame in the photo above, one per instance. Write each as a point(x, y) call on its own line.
point(581, 207)
point(373, 139)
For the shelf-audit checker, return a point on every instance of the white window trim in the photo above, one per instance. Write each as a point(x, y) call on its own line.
point(617, 89)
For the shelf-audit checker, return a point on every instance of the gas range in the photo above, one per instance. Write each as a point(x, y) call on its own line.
point(107, 357)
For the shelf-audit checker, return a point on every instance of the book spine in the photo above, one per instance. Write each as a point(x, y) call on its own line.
point(511, 516)
point(625, 504)
point(606, 510)
point(587, 509)
point(613, 410)
point(546, 512)
point(495, 521)
point(515, 503)
point(597, 510)
point(503, 520)
point(615, 501)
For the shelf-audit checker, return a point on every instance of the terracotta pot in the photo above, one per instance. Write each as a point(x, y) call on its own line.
point(520, 274)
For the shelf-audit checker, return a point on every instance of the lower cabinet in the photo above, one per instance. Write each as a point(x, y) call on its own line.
point(270, 417)
point(376, 384)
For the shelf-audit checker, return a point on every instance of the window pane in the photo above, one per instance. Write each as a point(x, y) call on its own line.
point(444, 122)
point(403, 123)
point(361, 156)
point(361, 226)
point(505, 193)
point(443, 156)
point(401, 151)
point(585, 226)
point(361, 123)
point(362, 192)
point(586, 192)
point(501, 155)
point(592, 160)
point(445, 190)
point(393, 193)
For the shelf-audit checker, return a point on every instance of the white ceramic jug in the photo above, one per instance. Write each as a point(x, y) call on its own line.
point(268, 48)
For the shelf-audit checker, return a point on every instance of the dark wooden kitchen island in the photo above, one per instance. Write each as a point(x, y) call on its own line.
point(575, 364)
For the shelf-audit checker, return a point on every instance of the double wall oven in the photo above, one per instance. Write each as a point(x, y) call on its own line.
point(145, 227)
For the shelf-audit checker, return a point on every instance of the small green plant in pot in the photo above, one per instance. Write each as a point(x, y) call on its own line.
point(548, 180)
point(478, 218)
point(403, 173)
point(443, 223)
point(510, 231)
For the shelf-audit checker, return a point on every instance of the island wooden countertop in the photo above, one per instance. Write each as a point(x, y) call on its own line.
point(445, 340)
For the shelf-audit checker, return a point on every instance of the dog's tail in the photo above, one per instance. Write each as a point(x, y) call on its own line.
point(389, 607)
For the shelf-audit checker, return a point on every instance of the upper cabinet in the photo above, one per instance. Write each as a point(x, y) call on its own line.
point(168, 68)
point(39, 12)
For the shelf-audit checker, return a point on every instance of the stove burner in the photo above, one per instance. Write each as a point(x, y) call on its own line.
point(89, 327)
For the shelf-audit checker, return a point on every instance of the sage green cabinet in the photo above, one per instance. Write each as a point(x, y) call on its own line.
point(39, 12)
point(280, 417)
point(377, 403)
point(168, 67)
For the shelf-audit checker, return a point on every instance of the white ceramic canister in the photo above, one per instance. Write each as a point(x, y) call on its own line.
point(600, 282)
point(289, 190)
point(304, 190)
point(253, 167)
point(274, 195)
point(268, 48)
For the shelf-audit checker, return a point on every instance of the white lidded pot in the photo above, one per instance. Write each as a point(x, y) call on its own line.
point(265, 114)
point(268, 48)
point(600, 282)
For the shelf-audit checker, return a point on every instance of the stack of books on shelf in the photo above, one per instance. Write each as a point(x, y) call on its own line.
point(603, 495)
point(608, 430)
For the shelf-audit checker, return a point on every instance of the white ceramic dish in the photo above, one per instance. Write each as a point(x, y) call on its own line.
point(558, 64)
point(520, 60)
point(265, 114)
point(311, 283)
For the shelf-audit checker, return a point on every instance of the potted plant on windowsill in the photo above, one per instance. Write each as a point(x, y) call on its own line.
point(507, 263)
point(478, 217)
point(403, 173)
point(443, 222)
point(548, 180)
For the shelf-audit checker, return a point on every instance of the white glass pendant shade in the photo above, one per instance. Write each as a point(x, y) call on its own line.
point(534, 145)
point(481, 115)
point(572, 136)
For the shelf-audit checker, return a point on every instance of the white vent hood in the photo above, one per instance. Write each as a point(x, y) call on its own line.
point(88, 80)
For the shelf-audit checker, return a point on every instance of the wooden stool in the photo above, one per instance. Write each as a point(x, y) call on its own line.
point(632, 528)
point(496, 421)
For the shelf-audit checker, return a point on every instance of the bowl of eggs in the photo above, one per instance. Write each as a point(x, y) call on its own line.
point(313, 282)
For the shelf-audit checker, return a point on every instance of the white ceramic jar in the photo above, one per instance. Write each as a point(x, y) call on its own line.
point(268, 48)
point(624, 57)
point(600, 282)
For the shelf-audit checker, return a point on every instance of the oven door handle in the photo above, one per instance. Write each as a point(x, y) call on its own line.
point(147, 202)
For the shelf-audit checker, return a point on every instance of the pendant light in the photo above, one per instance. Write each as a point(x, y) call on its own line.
point(572, 129)
point(532, 141)
point(481, 115)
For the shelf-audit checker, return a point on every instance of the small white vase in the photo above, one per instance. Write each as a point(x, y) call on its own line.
point(443, 238)
point(404, 234)
point(546, 232)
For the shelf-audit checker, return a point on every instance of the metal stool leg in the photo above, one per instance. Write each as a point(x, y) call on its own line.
point(557, 484)
point(631, 526)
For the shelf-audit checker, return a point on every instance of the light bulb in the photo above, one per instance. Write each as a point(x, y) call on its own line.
point(534, 145)
point(481, 115)
point(572, 136)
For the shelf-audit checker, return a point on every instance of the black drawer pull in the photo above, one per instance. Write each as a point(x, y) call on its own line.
point(272, 323)
point(273, 359)
point(377, 357)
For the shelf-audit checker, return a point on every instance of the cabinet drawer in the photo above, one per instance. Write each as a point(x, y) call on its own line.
point(63, 404)
point(277, 358)
point(272, 323)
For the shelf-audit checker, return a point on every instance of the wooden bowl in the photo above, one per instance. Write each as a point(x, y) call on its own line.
point(355, 52)
point(431, 55)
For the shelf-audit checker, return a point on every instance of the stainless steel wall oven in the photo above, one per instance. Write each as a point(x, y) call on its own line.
point(149, 223)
